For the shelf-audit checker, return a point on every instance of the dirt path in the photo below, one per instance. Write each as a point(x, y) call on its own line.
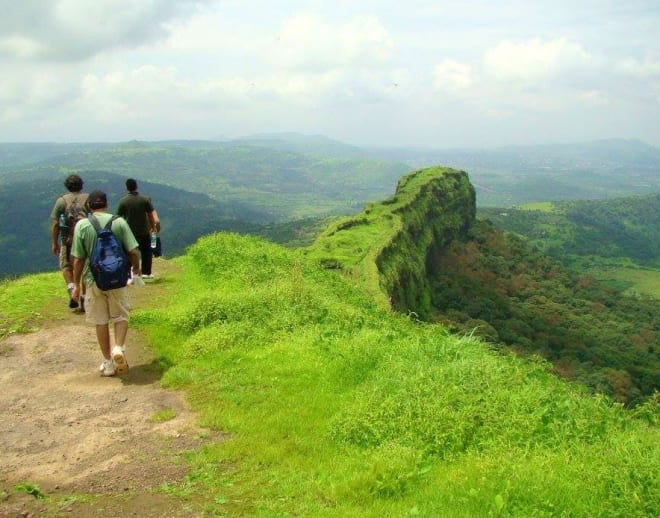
point(72, 432)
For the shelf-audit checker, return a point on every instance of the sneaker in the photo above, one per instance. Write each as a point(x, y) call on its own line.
point(147, 276)
point(73, 304)
point(107, 368)
point(119, 359)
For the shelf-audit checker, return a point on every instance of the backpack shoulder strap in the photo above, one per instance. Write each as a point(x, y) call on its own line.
point(95, 223)
point(112, 220)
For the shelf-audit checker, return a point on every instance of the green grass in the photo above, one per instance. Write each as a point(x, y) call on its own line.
point(541, 206)
point(26, 301)
point(645, 281)
point(30, 489)
point(165, 414)
point(336, 407)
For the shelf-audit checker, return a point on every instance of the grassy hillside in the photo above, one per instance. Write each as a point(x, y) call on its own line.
point(330, 404)
point(421, 251)
point(335, 407)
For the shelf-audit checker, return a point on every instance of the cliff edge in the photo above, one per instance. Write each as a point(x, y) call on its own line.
point(386, 246)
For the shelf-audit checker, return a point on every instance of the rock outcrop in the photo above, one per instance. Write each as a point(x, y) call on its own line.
point(386, 246)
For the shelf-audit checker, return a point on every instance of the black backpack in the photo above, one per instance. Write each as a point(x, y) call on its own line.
point(108, 260)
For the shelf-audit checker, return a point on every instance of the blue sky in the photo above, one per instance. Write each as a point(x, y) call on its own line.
point(390, 73)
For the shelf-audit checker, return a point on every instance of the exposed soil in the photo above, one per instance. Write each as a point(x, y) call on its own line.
point(92, 445)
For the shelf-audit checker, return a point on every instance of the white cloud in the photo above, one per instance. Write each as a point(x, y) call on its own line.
point(73, 30)
point(307, 42)
point(21, 47)
point(595, 98)
point(647, 69)
point(137, 69)
point(452, 76)
point(35, 92)
point(535, 60)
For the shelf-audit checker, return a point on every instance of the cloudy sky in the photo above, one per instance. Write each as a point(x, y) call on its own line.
point(368, 72)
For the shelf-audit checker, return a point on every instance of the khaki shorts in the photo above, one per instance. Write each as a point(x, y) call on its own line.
point(102, 307)
point(65, 258)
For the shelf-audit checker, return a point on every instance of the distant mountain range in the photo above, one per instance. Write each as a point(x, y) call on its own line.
point(292, 176)
point(258, 181)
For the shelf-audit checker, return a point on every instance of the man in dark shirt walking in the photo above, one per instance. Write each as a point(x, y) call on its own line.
point(141, 216)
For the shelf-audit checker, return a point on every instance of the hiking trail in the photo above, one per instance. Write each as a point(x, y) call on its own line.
point(74, 433)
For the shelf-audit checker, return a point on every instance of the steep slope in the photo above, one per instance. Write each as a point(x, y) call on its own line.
point(420, 251)
point(388, 243)
point(495, 285)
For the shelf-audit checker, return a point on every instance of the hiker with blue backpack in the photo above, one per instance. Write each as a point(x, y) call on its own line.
point(104, 252)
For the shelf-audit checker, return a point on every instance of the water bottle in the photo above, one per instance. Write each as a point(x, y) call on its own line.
point(154, 240)
point(62, 221)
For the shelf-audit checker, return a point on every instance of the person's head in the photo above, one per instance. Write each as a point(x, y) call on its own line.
point(97, 200)
point(73, 183)
point(131, 185)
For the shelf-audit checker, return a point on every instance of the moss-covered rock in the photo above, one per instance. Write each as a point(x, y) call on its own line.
point(386, 245)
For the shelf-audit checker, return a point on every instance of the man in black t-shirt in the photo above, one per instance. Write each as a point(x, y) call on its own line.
point(141, 216)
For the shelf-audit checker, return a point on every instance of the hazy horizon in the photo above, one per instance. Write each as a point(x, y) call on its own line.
point(422, 74)
point(293, 134)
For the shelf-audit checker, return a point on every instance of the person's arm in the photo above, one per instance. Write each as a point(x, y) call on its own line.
point(134, 258)
point(55, 237)
point(78, 265)
point(154, 221)
point(58, 209)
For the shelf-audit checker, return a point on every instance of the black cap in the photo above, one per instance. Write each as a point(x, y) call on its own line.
point(97, 200)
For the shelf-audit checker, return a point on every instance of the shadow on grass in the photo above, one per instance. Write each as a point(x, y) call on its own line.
point(146, 373)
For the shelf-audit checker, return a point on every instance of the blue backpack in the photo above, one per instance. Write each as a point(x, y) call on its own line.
point(108, 262)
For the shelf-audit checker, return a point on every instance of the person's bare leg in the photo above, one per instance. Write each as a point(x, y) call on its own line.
point(121, 330)
point(103, 337)
point(68, 276)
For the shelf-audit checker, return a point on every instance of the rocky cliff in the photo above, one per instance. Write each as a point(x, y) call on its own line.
point(386, 246)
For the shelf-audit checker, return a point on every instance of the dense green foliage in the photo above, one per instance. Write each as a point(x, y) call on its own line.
point(333, 406)
point(617, 228)
point(507, 292)
point(257, 183)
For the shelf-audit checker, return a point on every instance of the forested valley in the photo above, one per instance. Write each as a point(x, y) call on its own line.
point(516, 292)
